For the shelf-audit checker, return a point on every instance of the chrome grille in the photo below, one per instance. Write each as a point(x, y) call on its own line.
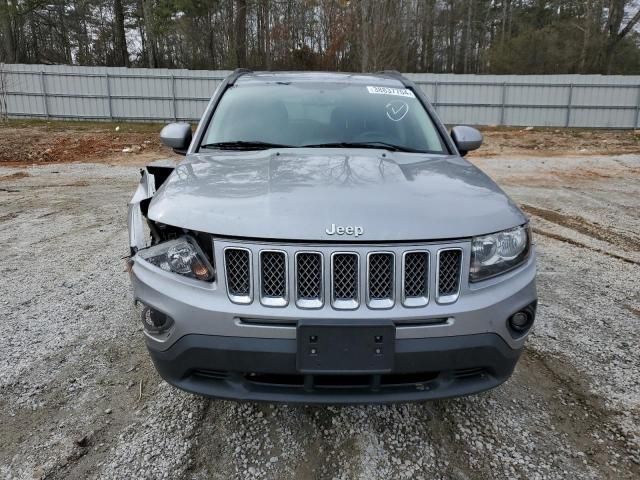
point(237, 263)
point(344, 280)
point(449, 263)
point(309, 279)
point(315, 275)
point(415, 280)
point(380, 280)
point(273, 278)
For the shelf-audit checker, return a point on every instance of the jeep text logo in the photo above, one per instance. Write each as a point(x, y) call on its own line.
point(348, 230)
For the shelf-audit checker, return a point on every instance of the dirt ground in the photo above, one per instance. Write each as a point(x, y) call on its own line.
point(79, 396)
point(36, 141)
point(41, 142)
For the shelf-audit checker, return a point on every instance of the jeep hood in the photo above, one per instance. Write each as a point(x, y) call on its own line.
point(297, 194)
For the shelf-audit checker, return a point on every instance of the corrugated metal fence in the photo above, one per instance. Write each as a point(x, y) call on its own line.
point(112, 93)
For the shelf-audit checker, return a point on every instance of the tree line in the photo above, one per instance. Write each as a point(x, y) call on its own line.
point(456, 36)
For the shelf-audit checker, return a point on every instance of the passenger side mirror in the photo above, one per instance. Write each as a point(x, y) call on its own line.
point(466, 139)
point(177, 136)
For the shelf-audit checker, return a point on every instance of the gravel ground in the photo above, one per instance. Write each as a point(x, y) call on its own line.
point(79, 397)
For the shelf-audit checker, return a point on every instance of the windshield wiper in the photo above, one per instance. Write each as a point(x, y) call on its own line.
point(374, 144)
point(244, 145)
point(258, 145)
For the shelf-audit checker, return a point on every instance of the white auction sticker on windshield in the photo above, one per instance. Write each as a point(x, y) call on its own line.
point(399, 92)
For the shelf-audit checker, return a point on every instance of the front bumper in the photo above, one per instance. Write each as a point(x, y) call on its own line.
point(259, 369)
point(248, 352)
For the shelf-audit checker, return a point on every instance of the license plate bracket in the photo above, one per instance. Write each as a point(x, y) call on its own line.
point(345, 348)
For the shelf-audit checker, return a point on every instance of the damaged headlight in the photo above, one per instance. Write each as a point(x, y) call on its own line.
point(182, 256)
point(498, 252)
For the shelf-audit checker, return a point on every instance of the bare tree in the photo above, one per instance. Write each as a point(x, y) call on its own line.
point(614, 30)
point(149, 33)
point(7, 14)
point(241, 33)
point(480, 36)
point(120, 41)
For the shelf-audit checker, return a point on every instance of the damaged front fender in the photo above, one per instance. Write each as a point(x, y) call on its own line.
point(146, 189)
point(152, 178)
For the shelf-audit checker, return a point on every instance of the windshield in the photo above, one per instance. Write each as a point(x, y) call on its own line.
point(321, 114)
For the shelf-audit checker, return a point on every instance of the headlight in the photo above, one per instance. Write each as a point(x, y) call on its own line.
point(182, 256)
point(498, 252)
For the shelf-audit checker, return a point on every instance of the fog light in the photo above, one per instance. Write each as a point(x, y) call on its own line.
point(155, 321)
point(519, 320)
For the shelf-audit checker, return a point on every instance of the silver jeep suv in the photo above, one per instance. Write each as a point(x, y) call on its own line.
point(324, 241)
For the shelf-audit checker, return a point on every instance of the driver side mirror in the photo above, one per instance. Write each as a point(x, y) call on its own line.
point(466, 139)
point(177, 136)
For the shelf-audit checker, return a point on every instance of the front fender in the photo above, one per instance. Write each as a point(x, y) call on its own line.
point(135, 219)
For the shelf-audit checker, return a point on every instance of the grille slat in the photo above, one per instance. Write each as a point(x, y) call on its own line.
point(309, 279)
point(416, 279)
point(449, 263)
point(380, 279)
point(238, 272)
point(345, 280)
point(273, 278)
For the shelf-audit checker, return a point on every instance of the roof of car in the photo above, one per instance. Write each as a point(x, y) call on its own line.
point(385, 79)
